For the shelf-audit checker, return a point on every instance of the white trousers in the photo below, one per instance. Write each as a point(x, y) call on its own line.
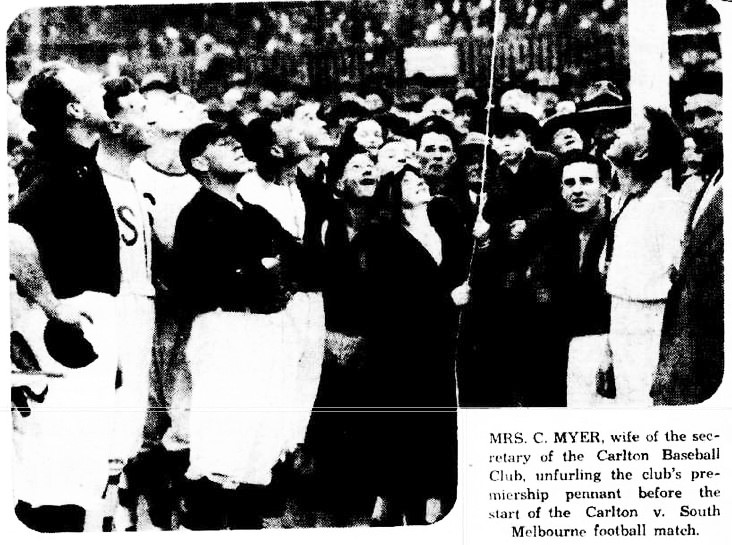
point(586, 355)
point(61, 450)
point(635, 339)
point(308, 333)
point(135, 328)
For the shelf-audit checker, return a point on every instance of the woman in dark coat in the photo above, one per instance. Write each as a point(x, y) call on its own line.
point(416, 266)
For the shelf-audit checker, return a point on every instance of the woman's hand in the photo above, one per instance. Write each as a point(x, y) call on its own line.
point(481, 233)
point(518, 227)
point(461, 294)
point(342, 346)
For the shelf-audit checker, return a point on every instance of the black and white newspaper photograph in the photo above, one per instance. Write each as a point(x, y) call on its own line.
point(373, 271)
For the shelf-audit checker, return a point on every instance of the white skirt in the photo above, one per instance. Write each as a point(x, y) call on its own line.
point(254, 383)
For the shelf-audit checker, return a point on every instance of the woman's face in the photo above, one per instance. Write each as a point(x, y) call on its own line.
point(415, 191)
point(369, 136)
point(392, 157)
point(359, 177)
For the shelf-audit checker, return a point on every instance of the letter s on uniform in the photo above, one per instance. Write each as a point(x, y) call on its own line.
point(127, 217)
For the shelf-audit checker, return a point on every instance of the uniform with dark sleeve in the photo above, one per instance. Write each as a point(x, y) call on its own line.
point(67, 210)
point(62, 456)
point(411, 328)
point(241, 356)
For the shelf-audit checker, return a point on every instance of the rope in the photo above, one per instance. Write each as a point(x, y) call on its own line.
point(484, 172)
point(486, 144)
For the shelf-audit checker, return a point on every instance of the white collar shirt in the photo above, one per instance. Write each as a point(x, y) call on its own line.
point(648, 238)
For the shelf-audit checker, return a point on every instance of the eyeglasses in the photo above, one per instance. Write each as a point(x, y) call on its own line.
point(227, 141)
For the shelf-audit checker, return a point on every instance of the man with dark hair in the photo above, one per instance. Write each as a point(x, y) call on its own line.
point(583, 306)
point(300, 205)
point(236, 271)
point(691, 362)
point(65, 231)
point(337, 438)
point(166, 188)
point(437, 141)
point(128, 133)
point(643, 247)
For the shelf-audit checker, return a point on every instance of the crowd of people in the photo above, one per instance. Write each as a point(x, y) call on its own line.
point(267, 26)
point(209, 297)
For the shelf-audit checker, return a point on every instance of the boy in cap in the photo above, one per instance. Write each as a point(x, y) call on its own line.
point(512, 303)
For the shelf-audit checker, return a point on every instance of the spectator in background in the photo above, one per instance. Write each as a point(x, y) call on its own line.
point(392, 157)
point(511, 321)
point(437, 141)
point(467, 114)
point(369, 136)
point(691, 178)
point(603, 110)
point(339, 439)
point(643, 246)
point(580, 232)
point(438, 106)
point(691, 363)
point(561, 136)
point(344, 114)
point(518, 101)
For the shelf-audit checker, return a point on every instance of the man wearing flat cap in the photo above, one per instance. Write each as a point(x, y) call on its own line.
point(236, 272)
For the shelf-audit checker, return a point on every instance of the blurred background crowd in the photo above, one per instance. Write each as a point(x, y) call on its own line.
point(329, 46)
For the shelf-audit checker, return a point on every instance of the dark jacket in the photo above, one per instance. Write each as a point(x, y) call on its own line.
point(579, 293)
point(411, 342)
point(218, 250)
point(691, 363)
point(454, 187)
point(343, 276)
point(411, 317)
point(68, 212)
point(530, 194)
